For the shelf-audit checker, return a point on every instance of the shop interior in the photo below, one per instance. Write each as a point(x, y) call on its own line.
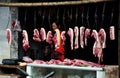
point(91, 15)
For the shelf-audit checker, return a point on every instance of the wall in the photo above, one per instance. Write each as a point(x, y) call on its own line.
point(14, 45)
point(6, 51)
point(7, 15)
point(4, 18)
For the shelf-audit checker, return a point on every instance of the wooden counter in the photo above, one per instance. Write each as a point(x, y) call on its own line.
point(10, 70)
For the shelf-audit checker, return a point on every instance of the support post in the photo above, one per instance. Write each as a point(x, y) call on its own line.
point(100, 74)
point(29, 71)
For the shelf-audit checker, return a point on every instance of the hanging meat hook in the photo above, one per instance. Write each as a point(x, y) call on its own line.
point(39, 11)
point(35, 18)
point(82, 16)
point(57, 15)
point(64, 18)
point(49, 18)
point(25, 18)
point(95, 16)
point(43, 16)
point(68, 14)
point(71, 15)
point(76, 15)
point(103, 15)
point(87, 17)
point(112, 14)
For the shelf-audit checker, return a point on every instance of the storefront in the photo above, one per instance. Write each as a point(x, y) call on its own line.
point(93, 15)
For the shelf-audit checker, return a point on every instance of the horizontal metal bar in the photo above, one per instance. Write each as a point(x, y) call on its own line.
point(17, 4)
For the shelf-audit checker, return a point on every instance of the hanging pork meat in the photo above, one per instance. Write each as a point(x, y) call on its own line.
point(102, 33)
point(97, 48)
point(63, 37)
point(87, 31)
point(43, 34)
point(9, 36)
point(36, 34)
point(26, 45)
point(71, 34)
point(76, 32)
point(57, 38)
point(102, 37)
point(82, 29)
point(112, 33)
point(49, 37)
point(87, 35)
point(112, 28)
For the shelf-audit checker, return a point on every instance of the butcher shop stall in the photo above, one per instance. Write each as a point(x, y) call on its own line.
point(85, 45)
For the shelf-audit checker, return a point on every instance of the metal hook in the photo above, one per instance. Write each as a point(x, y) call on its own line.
point(103, 14)
point(87, 17)
point(68, 16)
point(58, 15)
point(71, 14)
point(39, 11)
point(43, 16)
point(49, 19)
point(68, 13)
point(25, 15)
point(112, 14)
point(25, 18)
point(76, 15)
point(35, 18)
point(64, 18)
point(95, 18)
point(82, 15)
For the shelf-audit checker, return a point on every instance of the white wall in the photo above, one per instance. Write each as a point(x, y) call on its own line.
point(4, 18)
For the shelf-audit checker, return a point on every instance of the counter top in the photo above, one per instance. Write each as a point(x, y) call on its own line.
point(66, 67)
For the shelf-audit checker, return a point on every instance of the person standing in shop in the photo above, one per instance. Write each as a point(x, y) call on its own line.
point(58, 52)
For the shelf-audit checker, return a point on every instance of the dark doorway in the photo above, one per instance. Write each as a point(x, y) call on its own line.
point(32, 17)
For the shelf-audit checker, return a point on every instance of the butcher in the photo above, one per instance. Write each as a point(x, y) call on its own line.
point(58, 52)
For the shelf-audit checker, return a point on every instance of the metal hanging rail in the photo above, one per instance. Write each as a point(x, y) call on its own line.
point(17, 4)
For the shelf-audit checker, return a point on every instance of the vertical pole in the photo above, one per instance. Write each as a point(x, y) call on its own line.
point(100, 74)
point(14, 44)
point(29, 71)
